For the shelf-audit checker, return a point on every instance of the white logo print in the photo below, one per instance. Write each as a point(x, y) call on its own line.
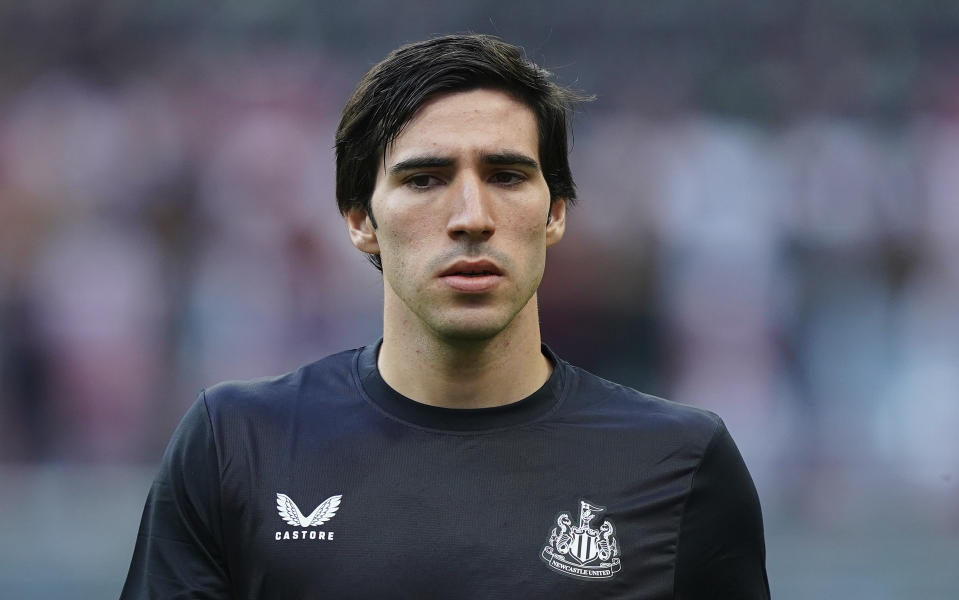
point(290, 513)
point(581, 551)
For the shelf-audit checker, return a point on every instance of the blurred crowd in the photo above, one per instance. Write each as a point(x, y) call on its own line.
point(174, 225)
point(158, 235)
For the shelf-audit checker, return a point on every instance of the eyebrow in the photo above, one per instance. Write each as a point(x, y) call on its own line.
point(432, 162)
point(420, 162)
point(510, 158)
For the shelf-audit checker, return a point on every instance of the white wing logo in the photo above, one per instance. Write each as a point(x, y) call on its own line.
point(290, 512)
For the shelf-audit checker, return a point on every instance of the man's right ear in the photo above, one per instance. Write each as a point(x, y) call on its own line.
point(362, 233)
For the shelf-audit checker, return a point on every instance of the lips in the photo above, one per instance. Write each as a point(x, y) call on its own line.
point(472, 276)
point(467, 268)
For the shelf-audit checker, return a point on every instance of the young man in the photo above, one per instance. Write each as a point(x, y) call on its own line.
point(458, 457)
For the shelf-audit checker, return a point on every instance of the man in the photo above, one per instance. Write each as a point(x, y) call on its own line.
point(458, 457)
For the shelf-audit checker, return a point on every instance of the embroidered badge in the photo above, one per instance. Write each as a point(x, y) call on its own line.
point(290, 513)
point(581, 551)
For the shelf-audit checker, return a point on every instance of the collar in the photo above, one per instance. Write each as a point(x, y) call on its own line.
point(531, 408)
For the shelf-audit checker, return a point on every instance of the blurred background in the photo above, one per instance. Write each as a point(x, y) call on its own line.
point(769, 200)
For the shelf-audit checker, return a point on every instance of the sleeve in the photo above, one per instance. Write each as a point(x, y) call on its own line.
point(178, 552)
point(721, 552)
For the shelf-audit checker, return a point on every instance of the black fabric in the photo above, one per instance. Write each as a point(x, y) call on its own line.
point(393, 403)
point(178, 552)
point(722, 552)
point(440, 503)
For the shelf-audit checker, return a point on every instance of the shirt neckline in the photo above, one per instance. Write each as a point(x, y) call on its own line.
point(527, 410)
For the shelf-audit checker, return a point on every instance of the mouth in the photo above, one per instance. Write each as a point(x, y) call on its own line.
point(472, 276)
point(471, 268)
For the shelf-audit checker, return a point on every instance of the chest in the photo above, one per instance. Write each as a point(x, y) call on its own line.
point(451, 517)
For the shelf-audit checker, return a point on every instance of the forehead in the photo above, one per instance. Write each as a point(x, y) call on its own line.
point(481, 120)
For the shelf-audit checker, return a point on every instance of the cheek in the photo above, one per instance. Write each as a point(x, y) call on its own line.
point(532, 229)
point(529, 242)
point(402, 242)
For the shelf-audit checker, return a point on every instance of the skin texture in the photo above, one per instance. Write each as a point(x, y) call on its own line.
point(462, 182)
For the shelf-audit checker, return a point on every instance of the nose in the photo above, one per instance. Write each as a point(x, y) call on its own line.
point(472, 215)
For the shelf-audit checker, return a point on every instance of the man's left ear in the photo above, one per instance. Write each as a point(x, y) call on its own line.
point(556, 221)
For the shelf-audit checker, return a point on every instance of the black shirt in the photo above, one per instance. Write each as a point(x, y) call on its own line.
point(327, 483)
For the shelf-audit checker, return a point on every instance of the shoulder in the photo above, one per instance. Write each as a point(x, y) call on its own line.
point(323, 381)
point(623, 406)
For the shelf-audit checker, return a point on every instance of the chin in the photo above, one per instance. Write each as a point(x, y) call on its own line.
point(471, 330)
point(469, 334)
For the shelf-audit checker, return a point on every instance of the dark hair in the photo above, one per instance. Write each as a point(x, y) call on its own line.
point(391, 93)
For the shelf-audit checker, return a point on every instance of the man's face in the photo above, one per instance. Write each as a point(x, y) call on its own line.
point(461, 207)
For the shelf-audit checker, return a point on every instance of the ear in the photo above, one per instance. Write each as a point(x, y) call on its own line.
point(556, 223)
point(361, 231)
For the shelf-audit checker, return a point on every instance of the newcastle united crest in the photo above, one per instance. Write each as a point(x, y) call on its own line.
point(581, 551)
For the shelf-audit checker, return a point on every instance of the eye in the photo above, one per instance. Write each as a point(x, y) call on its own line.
point(507, 178)
point(422, 181)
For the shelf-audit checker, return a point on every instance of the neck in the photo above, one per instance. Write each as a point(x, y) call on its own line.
point(462, 373)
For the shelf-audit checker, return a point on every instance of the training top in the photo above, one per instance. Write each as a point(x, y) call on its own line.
point(327, 483)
